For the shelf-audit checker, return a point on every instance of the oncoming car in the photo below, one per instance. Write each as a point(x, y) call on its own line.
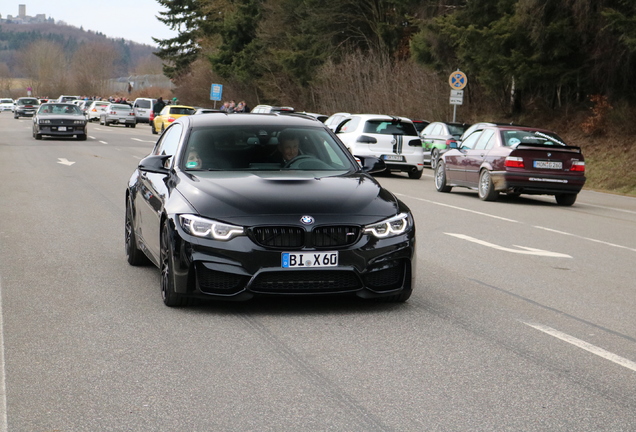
point(223, 215)
point(392, 139)
point(514, 160)
point(59, 119)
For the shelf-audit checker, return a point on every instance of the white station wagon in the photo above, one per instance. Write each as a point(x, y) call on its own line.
point(392, 139)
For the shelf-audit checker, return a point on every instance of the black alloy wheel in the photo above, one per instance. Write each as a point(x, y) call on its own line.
point(134, 255)
point(170, 297)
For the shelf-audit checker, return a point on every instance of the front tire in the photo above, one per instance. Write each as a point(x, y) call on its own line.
point(440, 178)
point(170, 297)
point(565, 199)
point(486, 188)
point(134, 255)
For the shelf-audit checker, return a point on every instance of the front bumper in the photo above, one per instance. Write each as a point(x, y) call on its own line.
point(240, 269)
point(53, 130)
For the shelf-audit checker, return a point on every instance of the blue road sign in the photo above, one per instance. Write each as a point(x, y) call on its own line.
point(216, 92)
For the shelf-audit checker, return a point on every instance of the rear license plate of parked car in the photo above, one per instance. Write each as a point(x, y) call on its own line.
point(309, 259)
point(396, 158)
point(548, 164)
point(61, 128)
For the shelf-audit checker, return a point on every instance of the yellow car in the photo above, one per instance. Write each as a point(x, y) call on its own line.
point(169, 114)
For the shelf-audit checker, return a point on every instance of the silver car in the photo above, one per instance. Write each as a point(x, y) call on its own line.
point(117, 113)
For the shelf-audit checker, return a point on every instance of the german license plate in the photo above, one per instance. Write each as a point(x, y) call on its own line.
point(61, 128)
point(548, 164)
point(395, 158)
point(309, 259)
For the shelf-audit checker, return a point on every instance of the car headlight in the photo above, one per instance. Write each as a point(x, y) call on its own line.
point(390, 227)
point(45, 121)
point(208, 228)
point(79, 122)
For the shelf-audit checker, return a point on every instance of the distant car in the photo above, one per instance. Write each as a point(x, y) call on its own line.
point(420, 124)
point(514, 160)
point(437, 138)
point(6, 104)
point(95, 109)
point(117, 113)
point(221, 221)
point(25, 107)
point(320, 117)
point(67, 98)
point(206, 111)
point(334, 120)
point(264, 109)
point(59, 119)
point(392, 139)
point(169, 114)
point(143, 109)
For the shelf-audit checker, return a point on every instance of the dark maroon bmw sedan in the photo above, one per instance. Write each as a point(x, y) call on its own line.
point(514, 160)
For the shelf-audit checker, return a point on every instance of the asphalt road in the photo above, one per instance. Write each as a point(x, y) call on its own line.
point(523, 318)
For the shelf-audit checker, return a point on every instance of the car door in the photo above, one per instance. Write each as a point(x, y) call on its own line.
point(153, 192)
point(457, 160)
point(476, 156)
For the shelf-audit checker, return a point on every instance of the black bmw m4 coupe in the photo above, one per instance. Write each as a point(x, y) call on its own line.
point(233, 206)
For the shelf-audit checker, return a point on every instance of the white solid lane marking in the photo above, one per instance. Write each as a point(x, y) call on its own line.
point(4, 424)
point(458, 208)
point(525, 251)
point(585, 345)
point(585, 238)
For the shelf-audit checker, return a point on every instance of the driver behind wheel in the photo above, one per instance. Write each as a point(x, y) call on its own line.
point(288, 144)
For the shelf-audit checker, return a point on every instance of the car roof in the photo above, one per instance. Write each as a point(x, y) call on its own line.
point(381, 117)
point(244, 119)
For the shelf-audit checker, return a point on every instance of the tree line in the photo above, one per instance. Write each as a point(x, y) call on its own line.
point(516, 52)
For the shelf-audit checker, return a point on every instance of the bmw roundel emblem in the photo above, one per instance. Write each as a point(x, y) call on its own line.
point(307, 220)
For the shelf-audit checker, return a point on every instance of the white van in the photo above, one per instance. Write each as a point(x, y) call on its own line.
point(142, 108)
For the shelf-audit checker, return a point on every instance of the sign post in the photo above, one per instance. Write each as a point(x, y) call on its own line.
point(457, 81)
point(216, 93)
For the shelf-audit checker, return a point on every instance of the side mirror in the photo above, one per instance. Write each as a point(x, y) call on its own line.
point(372, 164)
point(365, 139)
point(154, 164)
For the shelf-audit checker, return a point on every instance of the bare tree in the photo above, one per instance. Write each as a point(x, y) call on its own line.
point(45, 66)
point(93, 65)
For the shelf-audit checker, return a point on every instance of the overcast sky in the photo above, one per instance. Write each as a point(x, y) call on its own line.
point(134, 20)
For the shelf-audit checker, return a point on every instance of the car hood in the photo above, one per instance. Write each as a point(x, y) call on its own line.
point(280, 197)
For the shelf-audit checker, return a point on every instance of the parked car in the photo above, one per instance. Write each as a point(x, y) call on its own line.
point(200, 110)
point(437, 138)
point(143, 109)
point(118, 113)
point(169, 114)
point(514, 160)
point(272, 109)
point(222, 222)
point(95, 110)
point(420, 124)
point(334, 120)
point(392, 139)
point(319, 117)
point(6, 104)
point(59, 119)
point(67, 98)
point(25, 107)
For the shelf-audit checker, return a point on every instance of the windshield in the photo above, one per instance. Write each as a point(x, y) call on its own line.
point(258, 148)
point(66, 109)
point(514, 138)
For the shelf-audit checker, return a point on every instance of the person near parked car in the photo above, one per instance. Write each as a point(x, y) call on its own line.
point(158, 106)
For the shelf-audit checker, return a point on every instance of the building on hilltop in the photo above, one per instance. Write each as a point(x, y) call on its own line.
point(23, 18)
